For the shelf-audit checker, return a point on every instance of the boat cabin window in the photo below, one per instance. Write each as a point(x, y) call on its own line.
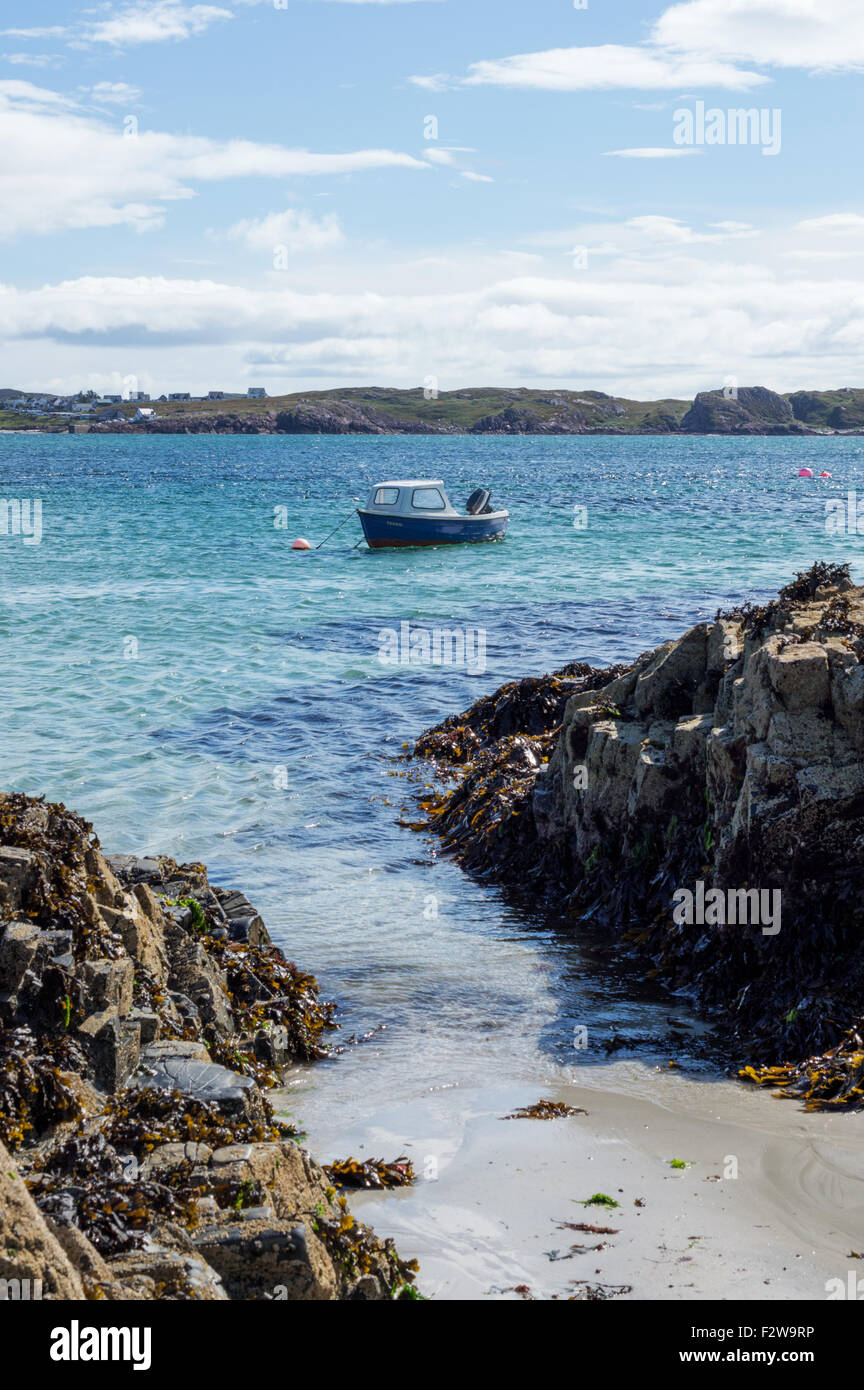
point(428, 499)
point(386, 496)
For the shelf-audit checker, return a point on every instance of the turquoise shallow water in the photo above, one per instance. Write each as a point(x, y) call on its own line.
point(174, 672)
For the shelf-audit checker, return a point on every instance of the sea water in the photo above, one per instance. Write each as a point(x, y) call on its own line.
point(176, 673)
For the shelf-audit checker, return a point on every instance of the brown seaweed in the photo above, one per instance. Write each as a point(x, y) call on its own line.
point(546, 1110)
point(371, 1172)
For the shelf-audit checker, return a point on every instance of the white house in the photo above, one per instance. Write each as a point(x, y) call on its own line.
point(144, 413)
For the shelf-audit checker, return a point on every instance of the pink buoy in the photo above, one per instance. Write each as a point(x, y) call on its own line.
point(805, 473)
point(300, 544)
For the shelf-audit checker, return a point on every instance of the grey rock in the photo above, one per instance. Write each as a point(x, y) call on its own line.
point(18, 950)
point(114, 1046)
point(260, 1259)
point(108, 984)
point(230, 1092)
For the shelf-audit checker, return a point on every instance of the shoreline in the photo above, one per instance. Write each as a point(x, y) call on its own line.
point(745, 411)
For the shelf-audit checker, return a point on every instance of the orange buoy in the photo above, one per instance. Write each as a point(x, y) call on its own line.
point(300, 544)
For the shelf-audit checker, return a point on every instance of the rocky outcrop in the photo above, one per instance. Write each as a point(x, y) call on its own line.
point(228, 423)
point(33, 1263)
point(749, 410)
point(582, 416)
point(705, 804)
point(832, 410)
point(143, 1015)
point(347, 418)
point(487, 410)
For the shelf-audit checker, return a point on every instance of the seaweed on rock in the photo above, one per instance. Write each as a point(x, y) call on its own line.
point(731, 758)
point(34, 1092)
point(140, 1119)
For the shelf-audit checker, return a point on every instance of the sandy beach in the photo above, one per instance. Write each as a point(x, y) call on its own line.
point(493, 1219)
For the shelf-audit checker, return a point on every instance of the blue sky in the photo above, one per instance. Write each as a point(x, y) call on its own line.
point(205, 196)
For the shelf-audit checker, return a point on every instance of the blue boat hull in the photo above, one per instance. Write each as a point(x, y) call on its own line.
point(381, 532)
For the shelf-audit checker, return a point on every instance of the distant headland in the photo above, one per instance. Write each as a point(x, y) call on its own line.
point(750, 410)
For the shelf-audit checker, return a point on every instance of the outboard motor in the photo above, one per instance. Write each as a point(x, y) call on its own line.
point(478, 502)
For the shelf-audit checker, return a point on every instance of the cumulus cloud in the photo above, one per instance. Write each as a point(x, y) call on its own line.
point(153, 23)
point(64, 169)
point(817, 35)
point(113, 93)
point(836, 223)
point(695, 44)
point(675, 310)
point(434, 82)
point(294, 229)
point(671, 231)
point(609, 65)
point(33, 60)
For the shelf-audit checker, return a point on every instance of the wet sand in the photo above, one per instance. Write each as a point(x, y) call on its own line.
point(486, 1213)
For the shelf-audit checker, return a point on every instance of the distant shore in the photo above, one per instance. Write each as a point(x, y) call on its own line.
point(752, 410)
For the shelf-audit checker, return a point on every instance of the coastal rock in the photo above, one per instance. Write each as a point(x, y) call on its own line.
point(142, 1012)
point(731, 758)
point(28, 1249)
point(344, 418)
point(195, 1079)
point(751, 410)
point(270, 1260)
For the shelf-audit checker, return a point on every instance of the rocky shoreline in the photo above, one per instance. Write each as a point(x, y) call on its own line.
point(727, 763)
point(144, 1013)
point(751, 410)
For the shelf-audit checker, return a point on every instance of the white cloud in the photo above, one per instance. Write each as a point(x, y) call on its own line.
point(435, 82)
point(652, 152)
point(33, 60)
point(476, 178)
point(816, 35)
point(696, 44)
point(438, 156)
point(153, 22)
point(113, 93)
point(294, 229)
point(672, 232)
point(609, 65)
point(838, 223)
point(63, 169)
point(676, 310)
point(54, 31)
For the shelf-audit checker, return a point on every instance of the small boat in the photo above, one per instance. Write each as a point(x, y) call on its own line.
point(417, 511)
